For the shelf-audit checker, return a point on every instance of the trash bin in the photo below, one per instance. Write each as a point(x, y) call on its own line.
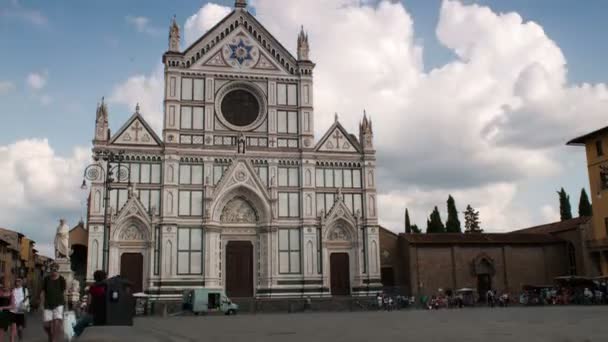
point(120, 304)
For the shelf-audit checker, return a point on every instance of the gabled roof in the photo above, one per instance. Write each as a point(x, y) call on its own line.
point(556, 227)
point(218, 36)
point(338, 146)
point(581, 140)
point(148, 136)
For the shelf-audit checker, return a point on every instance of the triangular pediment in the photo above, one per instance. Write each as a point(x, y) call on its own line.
point(241, 172)
point(240, 42)
point(337, 139)
point(136, 131)
point(133, 209)
point(339, 210)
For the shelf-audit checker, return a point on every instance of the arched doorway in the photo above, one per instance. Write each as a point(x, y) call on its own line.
point(239, 220)
point(484, 270)
point(339, 243)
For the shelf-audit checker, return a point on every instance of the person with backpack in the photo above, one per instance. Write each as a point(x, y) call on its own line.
point(21, 305)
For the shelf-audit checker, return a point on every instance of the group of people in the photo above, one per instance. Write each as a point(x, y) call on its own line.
point(387, 302)
point(493, 299)
point(15, 303)
point(564, 296)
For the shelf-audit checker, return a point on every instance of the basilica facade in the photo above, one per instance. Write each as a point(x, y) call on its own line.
point(237, 193)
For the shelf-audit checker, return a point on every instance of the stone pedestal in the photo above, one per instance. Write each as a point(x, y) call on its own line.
point(73, 286)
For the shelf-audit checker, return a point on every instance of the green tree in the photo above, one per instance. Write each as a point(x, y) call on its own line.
point(408, 226)
point(415, 229)
point(434, 224)
point(471, 221)
point(565, 211)
point(452, 225)
point(584, 207)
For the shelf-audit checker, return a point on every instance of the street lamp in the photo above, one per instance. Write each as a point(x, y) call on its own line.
point(95, 172)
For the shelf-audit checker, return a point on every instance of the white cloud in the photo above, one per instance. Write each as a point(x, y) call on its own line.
point(206, 17)
point(145, 90)
point(37, 80)
point(549, 213)
point(477, 127)
point(142, 25)
point(38, 187)
point(30, 16)
point(6, 86)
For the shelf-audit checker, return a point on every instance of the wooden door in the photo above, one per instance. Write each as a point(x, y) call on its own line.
point(340, 274)
point(239, 269)
point(132, 268)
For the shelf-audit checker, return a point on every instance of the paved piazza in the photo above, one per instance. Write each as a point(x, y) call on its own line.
point(561, 324)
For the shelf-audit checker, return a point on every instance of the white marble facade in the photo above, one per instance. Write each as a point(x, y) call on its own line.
point(238, 162)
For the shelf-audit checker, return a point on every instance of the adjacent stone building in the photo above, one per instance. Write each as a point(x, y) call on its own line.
point(236, 193)
point(420, 264)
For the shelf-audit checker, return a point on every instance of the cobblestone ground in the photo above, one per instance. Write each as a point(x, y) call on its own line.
point(527, 324)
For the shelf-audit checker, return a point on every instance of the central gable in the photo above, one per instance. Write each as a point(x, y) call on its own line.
point(240, 42)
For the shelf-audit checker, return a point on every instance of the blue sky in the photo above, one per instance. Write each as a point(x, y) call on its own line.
point(83, 50)
point(88, 47)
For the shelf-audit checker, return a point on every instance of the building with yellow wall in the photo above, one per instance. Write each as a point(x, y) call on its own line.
point(596, 148)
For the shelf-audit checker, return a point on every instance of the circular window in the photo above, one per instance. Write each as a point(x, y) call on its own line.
point(240, 107)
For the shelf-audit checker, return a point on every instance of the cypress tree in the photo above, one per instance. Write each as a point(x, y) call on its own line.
point(565, 212)
point(408, 226)
point(584, 207)
point(434, 223)
point(452, 225)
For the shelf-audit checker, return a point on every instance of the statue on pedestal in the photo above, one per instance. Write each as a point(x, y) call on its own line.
point(62, 244)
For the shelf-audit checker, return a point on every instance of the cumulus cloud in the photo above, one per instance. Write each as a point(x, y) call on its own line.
point(199, 23)
point(147, 91)
point(142, 25)
point(39, 187)
point(476, 127)
point(37, 80)
point(6, 86)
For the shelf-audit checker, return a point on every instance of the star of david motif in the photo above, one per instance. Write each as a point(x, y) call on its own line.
point(241, 52)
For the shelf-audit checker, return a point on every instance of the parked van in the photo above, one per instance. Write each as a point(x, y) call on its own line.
point(205, 301)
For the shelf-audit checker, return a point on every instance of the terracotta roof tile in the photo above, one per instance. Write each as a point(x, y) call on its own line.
point(555, 227)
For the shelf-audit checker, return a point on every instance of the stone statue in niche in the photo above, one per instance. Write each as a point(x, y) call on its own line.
point(131, 233)
point(238, 210)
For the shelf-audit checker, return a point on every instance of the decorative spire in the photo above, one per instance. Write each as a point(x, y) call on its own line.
point(303, 47)
point(137, 108)
point(336, 117)
point(366, 134)
point(102, 130)
point(174, 36)
point(240, 4)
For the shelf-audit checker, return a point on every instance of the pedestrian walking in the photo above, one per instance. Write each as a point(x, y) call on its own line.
point(52, 299)
point(6, 318)
point(21, 299)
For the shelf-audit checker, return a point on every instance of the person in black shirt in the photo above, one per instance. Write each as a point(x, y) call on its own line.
point(53, 300)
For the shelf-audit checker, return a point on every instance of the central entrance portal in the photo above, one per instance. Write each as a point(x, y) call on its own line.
point(340, 274)
point(239, 269)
